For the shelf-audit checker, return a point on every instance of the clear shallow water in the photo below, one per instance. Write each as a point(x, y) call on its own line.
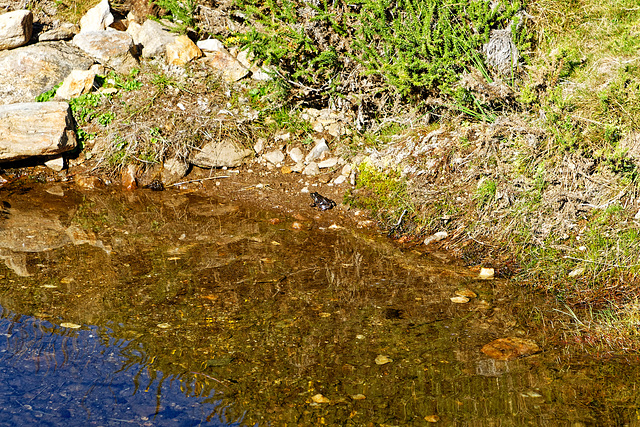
point(193, 311)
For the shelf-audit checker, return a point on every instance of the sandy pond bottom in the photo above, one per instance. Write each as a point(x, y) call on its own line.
point(164, 308)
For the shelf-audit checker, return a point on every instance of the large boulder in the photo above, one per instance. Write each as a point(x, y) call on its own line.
point(15, 28)
point(113, 49)
point(28, 71)
point(35, 129)
point(153, 37)
point(224, 153)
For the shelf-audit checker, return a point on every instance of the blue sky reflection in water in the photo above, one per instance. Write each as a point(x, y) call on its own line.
point(78, 377)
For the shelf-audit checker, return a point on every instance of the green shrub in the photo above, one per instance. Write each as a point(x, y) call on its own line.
point(410, 49)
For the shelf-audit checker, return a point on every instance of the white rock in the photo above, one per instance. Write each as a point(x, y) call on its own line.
point(153, 37)
point(576, 272)
point(76, 83)
point(56, 164)
point(298, 167)
point(440, 235)
point(329, 163)
point(346, 169)
point(340, 180)
point(65, 31)
point(275, 157)
point(35, 129)
point(258, 146)
point(296, 155)
point(210, 45)
point(282, 136)
point(311, 169)
point(486, 273)
point(15, 28)
point(97, 18)
point(320, 147)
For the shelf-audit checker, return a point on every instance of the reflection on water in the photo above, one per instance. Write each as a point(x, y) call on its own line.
point(197, 311)
point(56, 376)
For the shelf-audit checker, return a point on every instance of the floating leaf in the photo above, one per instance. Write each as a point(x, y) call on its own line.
point(70, 325)
point(577, 272)
point(510, 348)
point(466, 293)
point(358, 397)
point(324, 314)
point(486, 273)
point(218, 362)
point(318, 398)
point(382, 360)
point(432, 418)
point(459, 300)
point(164, 325)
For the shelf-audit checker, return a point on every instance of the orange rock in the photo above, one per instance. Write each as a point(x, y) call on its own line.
point(88, 182)
point(129, 178)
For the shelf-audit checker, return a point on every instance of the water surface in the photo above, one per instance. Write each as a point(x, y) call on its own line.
point(164, 308)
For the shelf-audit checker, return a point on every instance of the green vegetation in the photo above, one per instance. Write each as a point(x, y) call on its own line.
point(410, 49)
point(383, 193)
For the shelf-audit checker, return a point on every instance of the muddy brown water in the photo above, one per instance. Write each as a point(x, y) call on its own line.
point(168, 308)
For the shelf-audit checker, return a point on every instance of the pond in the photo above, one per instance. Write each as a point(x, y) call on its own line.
point(170, 308)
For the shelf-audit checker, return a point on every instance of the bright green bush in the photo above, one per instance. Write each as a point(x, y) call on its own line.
point(408, 48)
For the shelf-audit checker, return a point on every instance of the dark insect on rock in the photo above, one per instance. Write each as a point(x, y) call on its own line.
point(322, 202)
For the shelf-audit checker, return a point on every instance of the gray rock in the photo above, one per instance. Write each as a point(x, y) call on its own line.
point(173, 170)
point(153, 37)
point(111, 48)
point(97, 18)
point(220, 154)
point(274, 156)
point(28, 71)
point(320, 147)
point(66, 31)
point(15, 28)
point(35, 129)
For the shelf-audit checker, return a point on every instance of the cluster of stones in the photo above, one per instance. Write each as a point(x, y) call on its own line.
point(31, 64)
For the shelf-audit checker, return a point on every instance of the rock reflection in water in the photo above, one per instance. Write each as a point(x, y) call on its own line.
point(284, 326)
